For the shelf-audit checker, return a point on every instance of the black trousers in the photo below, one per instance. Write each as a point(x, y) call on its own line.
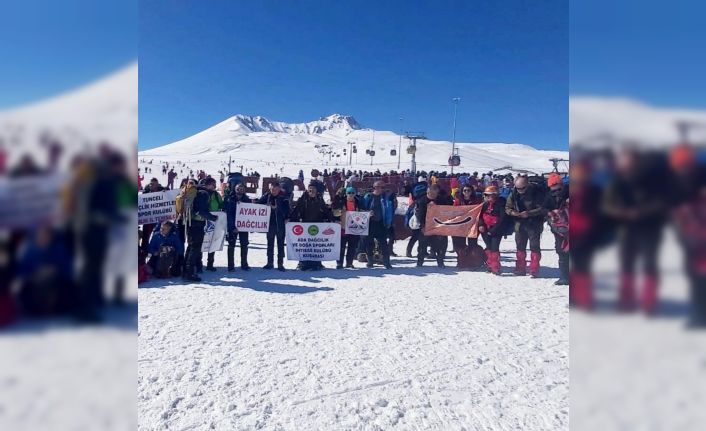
point(437, 244)
point(275, 233)
point(461, 242)
point(528, 231)
point(639, 242)
point(413, 240)
point(379, 232)
point(94, 243)
point(244, 238)
point(194, 234)
point(349, 245)
point(492, 242)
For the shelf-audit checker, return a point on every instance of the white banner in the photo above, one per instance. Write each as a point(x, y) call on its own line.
point(357, 222)
point(214, 233)
point(252, 217)
point(156, 207)
point(313, 241)
point(31, 200)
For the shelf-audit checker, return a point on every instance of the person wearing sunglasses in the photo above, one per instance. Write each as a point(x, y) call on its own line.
point(466, 197)
point(526, 205)
point(557, 207)
point(437, 243)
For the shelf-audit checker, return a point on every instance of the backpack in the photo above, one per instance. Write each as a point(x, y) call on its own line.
point(419, 189)
point(559, 225)
point(167, 258)
point(471, 257)
point(185, 202)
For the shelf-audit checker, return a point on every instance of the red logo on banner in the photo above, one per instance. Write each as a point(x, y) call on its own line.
point(297, 229)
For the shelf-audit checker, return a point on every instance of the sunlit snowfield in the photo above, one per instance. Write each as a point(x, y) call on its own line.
point(355, 349)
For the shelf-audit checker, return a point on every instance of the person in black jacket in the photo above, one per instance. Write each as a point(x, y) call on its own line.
point(147, 229)
point(437, 243)
point(311, 208)
point(526, 205)
point(279, 215)
point(195, 233)
point(491, 225)
point(233, 197)
point(558, 200)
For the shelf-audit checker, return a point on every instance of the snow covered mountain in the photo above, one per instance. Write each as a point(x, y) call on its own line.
point(336, 141)
point(105, 110)
point(593, 119)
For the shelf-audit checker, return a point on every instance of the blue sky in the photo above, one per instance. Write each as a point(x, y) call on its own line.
point(52, 46)
point(295, 61)
point(649, 50)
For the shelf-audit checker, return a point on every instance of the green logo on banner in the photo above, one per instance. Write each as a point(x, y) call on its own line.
point(313, 230)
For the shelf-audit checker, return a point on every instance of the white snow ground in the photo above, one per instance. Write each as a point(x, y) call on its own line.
point(629, 372)
point(418, 349)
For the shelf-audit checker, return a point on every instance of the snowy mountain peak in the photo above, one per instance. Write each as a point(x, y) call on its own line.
point(246, 124)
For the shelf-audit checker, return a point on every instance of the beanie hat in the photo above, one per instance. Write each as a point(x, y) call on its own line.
point(350, 190)
point(554, 179)
point(491, 190)
point(681, 157)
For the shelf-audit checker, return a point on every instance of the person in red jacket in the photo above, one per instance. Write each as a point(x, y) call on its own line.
point(491, 225)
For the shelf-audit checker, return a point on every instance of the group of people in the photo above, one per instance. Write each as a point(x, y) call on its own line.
point(523, 213)
point(55, 263)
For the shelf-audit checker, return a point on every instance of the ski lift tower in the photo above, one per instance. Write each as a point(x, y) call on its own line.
point(412, 148)
point(555, 162)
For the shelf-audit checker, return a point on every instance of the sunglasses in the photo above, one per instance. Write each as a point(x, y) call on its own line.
point(350, 193)
point(520, 189)
point(377, 187)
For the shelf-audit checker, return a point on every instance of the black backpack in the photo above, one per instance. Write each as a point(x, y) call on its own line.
point(167, 259)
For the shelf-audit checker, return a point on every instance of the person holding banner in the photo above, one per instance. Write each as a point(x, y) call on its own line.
point(381, 213)
point(490, 225)
point(466, 197)
point(438, 244)
point(279, 215)
point(234, 196)
point(195, 232)
point(215, 203)
point(311, 208)
point(349, 242)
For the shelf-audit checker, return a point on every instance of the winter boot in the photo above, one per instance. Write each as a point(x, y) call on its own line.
point(244, 258)
point(626, 296)
point(339, 264)
point(488, 261)
point(649, 294)
point(494, 262)
point(521, 263)
point(697, 315)
point(563, 270)
point(280, 265)
point(581, 290)
point(535, 257)
point(269, 264)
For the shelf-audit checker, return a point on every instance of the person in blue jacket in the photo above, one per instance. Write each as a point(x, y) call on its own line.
point(166, 235)
point(279, 215)
point(382, 212)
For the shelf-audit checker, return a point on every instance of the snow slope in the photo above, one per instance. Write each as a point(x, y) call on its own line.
point(626, 119)
point(105, 110)
point(269, 147)
point(407, 349)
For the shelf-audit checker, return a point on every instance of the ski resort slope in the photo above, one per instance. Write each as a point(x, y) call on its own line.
point(609, 121)
point(407, 349)
point(102, 111)
point(270, 147)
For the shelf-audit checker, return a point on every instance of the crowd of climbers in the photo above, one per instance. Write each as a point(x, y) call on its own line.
point(518, 205)
point(624, 197)
point(630, 197)
point(58, 267)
